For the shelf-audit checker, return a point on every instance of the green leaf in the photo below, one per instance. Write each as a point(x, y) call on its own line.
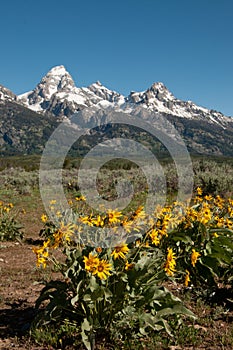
point(93, 285)
point(176, 309)
point(86, 329)
point(181, 236)
point(107, 293)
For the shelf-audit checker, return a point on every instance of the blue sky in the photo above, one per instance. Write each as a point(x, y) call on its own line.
point(126, 44)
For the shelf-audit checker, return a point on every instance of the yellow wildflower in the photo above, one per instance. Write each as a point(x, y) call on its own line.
point(194, 257)
point(41, 261)
point(128, 225)
point(80, 198)
point(42, 254)
point(230, 211)
point(229, 223)
point(187, 278)
point(220, 221)
point(58, 235)
point(139, 213)
point(170, 263)
point(208, 197)
point(219, 202)
point(163, 232)
point(154, 237)
point(102, 269)
point(120, 251)
point(87, 220)
point(128, 266)
point(99, 221)
point(113, 216)
point(166, 209)
point(66, 230)
point(198, 199)
point(199, 191)
point(205, 214)
point(58, 214)
point(44, 218)
point(166, 221)
point(46, 243)
point(91, 262)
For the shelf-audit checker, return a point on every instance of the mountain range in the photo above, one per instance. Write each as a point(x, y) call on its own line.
point(27, 120)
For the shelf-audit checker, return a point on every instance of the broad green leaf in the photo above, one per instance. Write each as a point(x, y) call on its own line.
point(86, 329)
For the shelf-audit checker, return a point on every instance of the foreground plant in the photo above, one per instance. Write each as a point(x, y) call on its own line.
point(10, 229)
point(111, 292)
point(203, 242)
point(118, 291)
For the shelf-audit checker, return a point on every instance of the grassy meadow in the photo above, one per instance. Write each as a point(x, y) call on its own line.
point(168, 287)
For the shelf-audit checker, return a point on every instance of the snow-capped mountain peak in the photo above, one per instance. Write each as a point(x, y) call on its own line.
point(56, 80)
point(6, 94)
point(57, 94)
point(160, 91)
point(56, 98)
point(106, 94)
point(157, 98)
point(57, 70)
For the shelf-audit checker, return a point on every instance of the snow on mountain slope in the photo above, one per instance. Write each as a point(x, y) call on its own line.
point(6, 95)
point(106, 94)
point(56, 93)
point(159, 99)
point(56, 80)
point(56, 98)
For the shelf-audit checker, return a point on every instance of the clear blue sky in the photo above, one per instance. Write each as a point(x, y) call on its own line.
point(126, 44)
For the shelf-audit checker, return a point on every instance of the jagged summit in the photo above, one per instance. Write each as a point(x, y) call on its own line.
point(56, 98)
point(106, 94)
point(57, 94)
point(58, 70)
point(160, 90)
point(56, 80)
point(152, 96)
point(6, 94)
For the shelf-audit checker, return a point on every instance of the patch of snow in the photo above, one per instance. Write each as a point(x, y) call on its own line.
point(57, 71)
point(104, 103)
point(71, 97)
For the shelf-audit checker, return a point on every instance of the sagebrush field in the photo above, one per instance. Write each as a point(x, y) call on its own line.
point(167, 287)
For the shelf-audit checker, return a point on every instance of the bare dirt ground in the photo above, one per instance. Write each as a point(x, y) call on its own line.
point(18, 292)
point(19, 286)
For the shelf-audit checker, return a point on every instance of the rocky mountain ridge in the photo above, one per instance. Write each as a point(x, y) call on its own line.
point(27, 120)
point(57, 94)
point(6, 95)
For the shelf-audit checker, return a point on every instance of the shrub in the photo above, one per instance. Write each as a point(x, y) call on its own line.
point(10, 229)
point(115, 291)
point(116, 288)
